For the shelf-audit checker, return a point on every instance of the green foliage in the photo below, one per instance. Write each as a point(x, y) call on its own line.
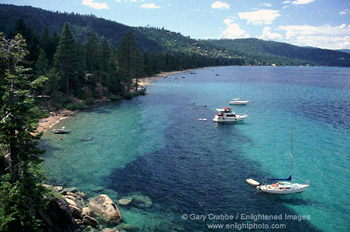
point(41, 64)
point(75, 106)
point(130, 59)
point(92, 53)
point(65, 58)
point(90, 101)
point(21, 191)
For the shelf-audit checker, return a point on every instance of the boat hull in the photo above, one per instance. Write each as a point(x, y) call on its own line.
point(283, 191)
point(238, 102)
point(61, 132)
point(238, 118)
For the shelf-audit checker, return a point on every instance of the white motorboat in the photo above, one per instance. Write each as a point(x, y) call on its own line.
point(283, 186)
point(226, 115)
point(238, 101)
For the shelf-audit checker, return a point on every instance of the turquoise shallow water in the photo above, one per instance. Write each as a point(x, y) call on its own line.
point(155, 146)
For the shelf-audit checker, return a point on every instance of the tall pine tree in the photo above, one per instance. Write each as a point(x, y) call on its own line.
point(65, 58)
point(21, 191)
point(130, 60)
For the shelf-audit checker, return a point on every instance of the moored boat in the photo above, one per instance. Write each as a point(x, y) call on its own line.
point(238, 101)
point(61, 131)
point(284, 186)
point(226, 115)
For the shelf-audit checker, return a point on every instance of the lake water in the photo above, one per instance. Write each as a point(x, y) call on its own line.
point(194, 171)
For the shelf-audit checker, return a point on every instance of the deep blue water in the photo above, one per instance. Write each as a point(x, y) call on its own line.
point(155, 146)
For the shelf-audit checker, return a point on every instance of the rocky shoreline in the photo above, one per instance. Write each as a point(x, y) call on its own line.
point(72, 210)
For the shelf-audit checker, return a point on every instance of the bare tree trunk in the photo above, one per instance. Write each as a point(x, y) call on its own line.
point(12, 146)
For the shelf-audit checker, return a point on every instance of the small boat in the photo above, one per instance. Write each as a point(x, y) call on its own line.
point(202, 119)
point(226, 115)
point(283, 186)
point(87, 139)
point(238, 101)
point(252, 182)
point(61, 131)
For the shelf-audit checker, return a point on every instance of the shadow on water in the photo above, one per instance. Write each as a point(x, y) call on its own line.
point(198, 174)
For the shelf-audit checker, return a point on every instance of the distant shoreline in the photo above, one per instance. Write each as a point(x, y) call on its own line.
point(147, 80)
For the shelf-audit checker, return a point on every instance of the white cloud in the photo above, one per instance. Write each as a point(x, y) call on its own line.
point(344, 12)
point(286, 2)
point(267, 4)
point(150, 6)
point(95, 5)
point(220, 5)
point(233, 30)
point(302, 2)
point(268, 35)
point(259, 16)
point(337, 37)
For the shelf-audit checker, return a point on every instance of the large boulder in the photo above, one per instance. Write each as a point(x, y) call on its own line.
point(58, 216)
point(90, 221)
point(105, 208)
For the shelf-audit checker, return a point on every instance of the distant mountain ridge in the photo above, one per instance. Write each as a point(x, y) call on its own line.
point(245, 51)
point(271, 51)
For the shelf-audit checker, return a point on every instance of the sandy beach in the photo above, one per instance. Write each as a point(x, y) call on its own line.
point(54, 118)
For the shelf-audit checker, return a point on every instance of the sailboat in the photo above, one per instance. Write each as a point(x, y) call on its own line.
point(284, 186)
point(238, 101)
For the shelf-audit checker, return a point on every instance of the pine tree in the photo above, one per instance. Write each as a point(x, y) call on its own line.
point(65, 58)
point(21, 191)
point(92, 54)
point(113, 81)
point(31, 38)
point(41, 64)
point(130, 59)
point(105, 54)
point(51, 47)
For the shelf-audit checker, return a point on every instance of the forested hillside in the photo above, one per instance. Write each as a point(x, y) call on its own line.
point(81, 25)
point(157, 40)
point(267, 52)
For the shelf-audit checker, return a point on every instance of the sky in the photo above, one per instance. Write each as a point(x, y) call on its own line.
point(316, 23)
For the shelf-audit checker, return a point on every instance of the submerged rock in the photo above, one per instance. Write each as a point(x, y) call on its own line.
point(127, 228)
point(141, 201)
point(124, 201)
point(71, 189)
point(104, 207)
point(109, 230)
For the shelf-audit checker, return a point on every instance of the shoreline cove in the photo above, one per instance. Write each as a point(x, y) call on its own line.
point(55, 118)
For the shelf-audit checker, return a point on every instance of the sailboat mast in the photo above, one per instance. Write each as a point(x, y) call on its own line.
point(291, 154)
point(240, 87)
